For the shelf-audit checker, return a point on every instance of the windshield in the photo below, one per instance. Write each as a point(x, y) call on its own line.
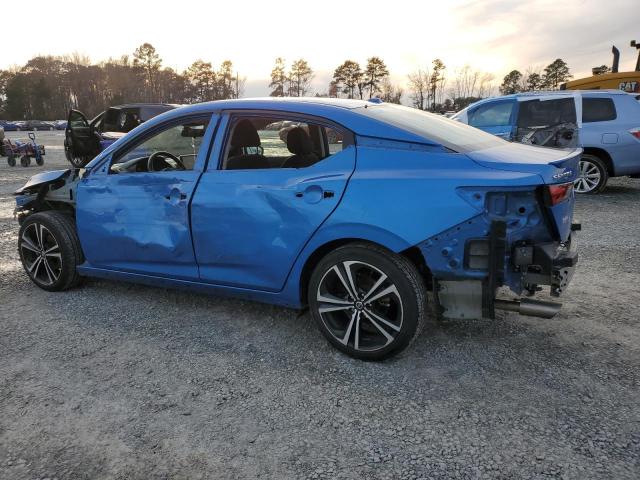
point(448, 133)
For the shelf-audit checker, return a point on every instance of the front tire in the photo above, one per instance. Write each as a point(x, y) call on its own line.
point(593, 175)
point(369, 302)
point(50, 250)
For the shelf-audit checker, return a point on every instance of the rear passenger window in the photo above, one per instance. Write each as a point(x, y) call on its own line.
point(540, 112)
point(256, 142)
point(491, 115)
point(598, 110)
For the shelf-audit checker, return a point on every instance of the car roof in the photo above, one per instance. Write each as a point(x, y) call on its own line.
point(347, 113)
point(281, 103)
point(548, 93)
point(139, 105)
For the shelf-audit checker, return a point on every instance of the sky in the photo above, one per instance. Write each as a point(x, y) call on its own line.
point(491, 35)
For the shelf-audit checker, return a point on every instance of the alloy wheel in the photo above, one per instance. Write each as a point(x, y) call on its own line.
point(360, 306)
point(41, 254)
point(588, 178)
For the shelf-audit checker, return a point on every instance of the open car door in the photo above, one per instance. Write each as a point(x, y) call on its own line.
point(81, 143)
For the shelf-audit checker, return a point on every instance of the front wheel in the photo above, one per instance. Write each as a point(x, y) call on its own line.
point(593, 175)
point(367, 301)
point(50, 250)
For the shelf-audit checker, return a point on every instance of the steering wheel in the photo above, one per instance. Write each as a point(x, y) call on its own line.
point(169, 160)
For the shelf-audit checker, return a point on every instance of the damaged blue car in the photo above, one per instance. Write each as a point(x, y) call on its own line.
point(354, 209)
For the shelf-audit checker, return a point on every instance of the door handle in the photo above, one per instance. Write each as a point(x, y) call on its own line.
point(176, 195)
point(315, 191)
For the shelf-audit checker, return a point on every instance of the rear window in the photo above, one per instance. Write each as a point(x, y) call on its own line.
point(598, 110)
point(449, 133)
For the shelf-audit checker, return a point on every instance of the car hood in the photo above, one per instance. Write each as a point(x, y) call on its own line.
point(552, 164)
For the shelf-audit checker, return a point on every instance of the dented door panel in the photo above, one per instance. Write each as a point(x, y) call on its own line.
point(138, 222)
point(250, 225)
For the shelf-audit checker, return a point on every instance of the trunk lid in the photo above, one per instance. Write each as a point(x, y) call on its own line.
point(554, 166)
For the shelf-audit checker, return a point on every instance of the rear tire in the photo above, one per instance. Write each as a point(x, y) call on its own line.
point(50, 250)
point(369, 302)
point(593, 175)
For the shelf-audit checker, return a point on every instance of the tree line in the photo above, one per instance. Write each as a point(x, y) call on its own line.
point(535, 79)
point(46, 87)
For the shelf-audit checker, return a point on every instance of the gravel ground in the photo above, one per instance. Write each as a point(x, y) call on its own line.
point(128, 382)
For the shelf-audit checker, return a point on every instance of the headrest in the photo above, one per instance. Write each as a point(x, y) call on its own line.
point(298, 141)
point(245, 135)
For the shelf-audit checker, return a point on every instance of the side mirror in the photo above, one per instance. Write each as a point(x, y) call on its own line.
point(32, 136)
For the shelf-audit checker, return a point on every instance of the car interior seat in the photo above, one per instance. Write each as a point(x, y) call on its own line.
point(245, 136)
point(299, 143)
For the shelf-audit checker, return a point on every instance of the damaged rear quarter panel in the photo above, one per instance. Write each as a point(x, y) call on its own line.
point(420, 184)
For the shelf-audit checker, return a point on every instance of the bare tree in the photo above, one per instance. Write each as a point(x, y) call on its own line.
point(419, 87)
point(486, 86)
point(470, 85)
point(465, 83)
point(389, 92)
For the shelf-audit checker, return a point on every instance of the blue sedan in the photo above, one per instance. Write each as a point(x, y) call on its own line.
point(354, 209)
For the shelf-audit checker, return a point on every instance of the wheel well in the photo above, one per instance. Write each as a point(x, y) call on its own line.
point(602, 155)
point(413, 254)
point(44, 206)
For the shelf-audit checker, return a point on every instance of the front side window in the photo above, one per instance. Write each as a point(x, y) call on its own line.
point(492, 115)
point(260, 142)
point(174, 148)
point(598, 110)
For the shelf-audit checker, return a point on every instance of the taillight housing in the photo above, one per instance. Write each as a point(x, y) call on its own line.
point(558, 193)
point(635, 132)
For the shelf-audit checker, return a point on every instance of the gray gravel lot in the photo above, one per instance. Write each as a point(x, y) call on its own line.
point(121, 381)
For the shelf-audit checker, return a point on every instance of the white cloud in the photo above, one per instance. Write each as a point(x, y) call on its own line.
point(493, 35)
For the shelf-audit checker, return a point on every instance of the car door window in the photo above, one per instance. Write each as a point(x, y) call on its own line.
point(538, 113)
point(261, 142)
point(598, 110)
point(491, 115)
point(173, 148)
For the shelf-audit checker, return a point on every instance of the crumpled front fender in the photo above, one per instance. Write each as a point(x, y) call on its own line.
point(42, 179)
